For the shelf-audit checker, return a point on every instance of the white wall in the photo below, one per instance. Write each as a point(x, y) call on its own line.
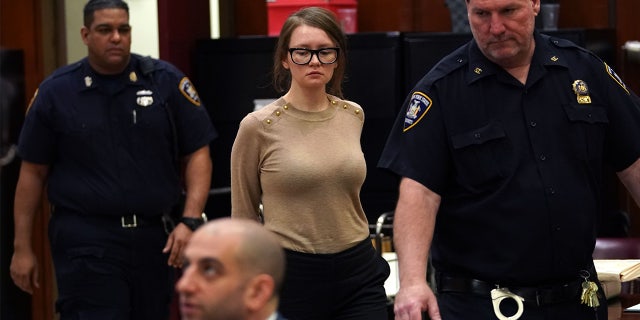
point(143, 17)
point(214, 8)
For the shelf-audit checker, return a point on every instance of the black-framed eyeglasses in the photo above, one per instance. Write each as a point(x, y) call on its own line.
point(303, 56)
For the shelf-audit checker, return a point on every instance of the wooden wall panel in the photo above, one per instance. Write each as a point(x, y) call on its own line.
point(592, 14)
point(385, 15)
point(627, 29)
point(250, 17)
point(180, 26)
point(21, 29)
point(431, 16)
point(21, 26)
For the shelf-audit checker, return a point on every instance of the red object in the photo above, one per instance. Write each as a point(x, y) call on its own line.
point(279, 10)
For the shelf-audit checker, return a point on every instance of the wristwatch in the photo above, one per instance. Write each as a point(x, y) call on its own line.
point(194, 223)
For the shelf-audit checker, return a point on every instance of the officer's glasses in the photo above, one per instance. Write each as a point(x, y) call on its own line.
point(303, 56)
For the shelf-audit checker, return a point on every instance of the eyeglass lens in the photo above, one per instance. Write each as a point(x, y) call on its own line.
point(304, 56)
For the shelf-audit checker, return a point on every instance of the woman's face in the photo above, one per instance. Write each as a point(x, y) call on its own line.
point(314, 74)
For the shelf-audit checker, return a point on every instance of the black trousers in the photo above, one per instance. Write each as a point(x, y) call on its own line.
point(345, 285)
point(105, 271)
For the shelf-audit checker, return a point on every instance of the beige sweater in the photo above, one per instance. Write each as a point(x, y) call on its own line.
point(306, 169)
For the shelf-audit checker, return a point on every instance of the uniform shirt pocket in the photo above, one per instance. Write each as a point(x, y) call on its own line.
point(482, 155)
point(587, 128)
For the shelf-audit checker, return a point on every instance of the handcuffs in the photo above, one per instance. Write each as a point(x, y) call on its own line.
point(498, 294)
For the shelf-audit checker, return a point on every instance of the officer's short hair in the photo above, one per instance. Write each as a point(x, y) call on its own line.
point(94, 5)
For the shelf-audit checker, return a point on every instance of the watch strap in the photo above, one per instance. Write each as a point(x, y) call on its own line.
point(194, 223)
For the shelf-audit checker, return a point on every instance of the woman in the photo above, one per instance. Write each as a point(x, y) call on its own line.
point(298, 165)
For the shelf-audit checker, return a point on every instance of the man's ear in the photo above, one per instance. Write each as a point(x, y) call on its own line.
point(536, 6)
point(84, 32)
point(259, 291)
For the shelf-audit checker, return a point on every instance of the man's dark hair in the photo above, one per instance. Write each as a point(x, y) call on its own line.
point(94, 5)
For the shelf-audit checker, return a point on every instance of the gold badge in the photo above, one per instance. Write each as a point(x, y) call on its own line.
point(133, 77)
point(582, 92)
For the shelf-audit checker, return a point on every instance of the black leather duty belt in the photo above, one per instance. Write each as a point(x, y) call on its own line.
point(135, 221)
point(131, 220)
point(545, 295)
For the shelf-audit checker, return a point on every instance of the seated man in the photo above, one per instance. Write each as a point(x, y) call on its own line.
point(233, 269)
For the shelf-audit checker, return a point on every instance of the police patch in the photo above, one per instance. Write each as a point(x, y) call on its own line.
point(32, 100)
point(418, 106)
point(615, 77)
point(189, 91)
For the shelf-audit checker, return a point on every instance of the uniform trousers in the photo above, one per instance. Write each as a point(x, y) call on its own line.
point(344, 285)
point(105, 271)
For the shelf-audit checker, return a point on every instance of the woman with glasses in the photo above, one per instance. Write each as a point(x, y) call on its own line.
point(297, 164)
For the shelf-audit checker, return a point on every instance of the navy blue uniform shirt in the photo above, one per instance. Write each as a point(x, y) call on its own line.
point(519, 167)
point(109, 139)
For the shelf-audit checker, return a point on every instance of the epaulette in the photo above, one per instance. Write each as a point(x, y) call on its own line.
point(566, 44)
point(67, 69)
point(450, 63)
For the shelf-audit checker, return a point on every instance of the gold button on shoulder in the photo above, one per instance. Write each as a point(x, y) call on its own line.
point(286, 107)
point(278, 113)
point(334, 102)
point(345, 107)
point(357, 111)
point(268, 121)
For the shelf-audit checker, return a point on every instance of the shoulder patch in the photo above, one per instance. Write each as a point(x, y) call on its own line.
point(419, 105)
point(615, 77)
point(189, 91)
point(32, 100)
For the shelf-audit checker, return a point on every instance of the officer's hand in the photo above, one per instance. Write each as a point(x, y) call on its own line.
point(175, 243)
point(24, 270)
point(411, 301)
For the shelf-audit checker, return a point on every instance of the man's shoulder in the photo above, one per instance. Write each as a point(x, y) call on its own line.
point(67, 70)
point(148, 63)
point(452, 62)
point(569, 46)
point(62, 75)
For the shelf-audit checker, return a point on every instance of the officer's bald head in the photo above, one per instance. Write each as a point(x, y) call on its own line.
point(258, 250)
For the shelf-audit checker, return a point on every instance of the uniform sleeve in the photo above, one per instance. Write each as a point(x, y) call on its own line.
point(417, 145)
point(193, 125)
point(37, 141)
point(623, 144)
point(246, 191)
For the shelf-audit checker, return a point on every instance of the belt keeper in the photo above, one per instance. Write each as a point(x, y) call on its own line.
point(129, 225)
